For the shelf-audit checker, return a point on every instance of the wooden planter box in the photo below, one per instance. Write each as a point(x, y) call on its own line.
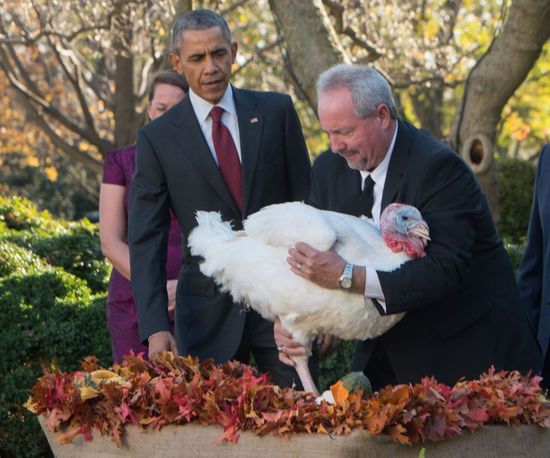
point(198, 441)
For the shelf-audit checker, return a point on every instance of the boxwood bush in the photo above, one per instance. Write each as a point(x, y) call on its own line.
point(14, 259)
point(516, 181)
point(50, 313)
point(20, 214)
point(73, 246)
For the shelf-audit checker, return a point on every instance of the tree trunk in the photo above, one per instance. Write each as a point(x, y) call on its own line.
point(428, 106)
point(125, 129)
point(312, 46)
point(182, 7)
point(124, 96)
point(492, 82)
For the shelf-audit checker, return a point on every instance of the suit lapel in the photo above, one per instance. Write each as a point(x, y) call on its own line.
point(349, 190)
point(398, 163)
point(250, 130)
point(191, 140)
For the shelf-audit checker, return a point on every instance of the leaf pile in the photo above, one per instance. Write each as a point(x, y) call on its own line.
point(180, 390)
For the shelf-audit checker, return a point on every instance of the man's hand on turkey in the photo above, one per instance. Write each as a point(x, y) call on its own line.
point(286, 345)
point(323, 268)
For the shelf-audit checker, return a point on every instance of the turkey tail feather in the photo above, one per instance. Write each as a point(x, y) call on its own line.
point(209, 234)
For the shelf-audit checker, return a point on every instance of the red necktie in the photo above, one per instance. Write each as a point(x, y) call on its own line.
point(228, 158)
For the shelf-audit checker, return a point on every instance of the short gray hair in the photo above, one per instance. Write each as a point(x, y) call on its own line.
point(367, 86)
point(198, 20)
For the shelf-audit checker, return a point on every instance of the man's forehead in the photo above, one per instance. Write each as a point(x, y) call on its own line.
point(203, 36)
point(335, 106)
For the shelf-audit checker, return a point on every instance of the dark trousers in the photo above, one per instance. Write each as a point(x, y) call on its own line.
point(546, 372)
point(378, 369)
point(258, 340)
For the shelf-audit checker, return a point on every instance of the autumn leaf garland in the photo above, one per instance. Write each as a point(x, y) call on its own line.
point(180, 390)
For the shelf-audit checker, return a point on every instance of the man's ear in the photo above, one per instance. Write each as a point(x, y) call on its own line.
point(383, 114)
point(175, 61)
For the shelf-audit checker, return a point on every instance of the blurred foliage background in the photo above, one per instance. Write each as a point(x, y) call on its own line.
point(73, 75)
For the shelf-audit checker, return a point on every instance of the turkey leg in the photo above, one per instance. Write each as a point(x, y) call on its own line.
point(305, 376)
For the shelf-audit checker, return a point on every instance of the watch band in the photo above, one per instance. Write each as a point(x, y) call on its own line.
point(347, 276)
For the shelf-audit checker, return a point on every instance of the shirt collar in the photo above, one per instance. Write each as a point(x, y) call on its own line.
point(379, 173)
point(203, 108)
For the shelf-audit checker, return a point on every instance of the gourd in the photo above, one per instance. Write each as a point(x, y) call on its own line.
point(357, 381)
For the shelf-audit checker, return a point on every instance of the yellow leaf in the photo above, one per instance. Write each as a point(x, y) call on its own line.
point(51, 173)
point(104, 375)
point(30, 405)
point(321, 429)
point(431, 28)
point(87, 392)
point(33, 161)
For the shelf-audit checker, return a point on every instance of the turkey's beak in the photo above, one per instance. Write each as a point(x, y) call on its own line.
point(422, 231)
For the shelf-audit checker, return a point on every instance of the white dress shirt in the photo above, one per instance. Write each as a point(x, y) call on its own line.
point(373, 289)
point(202, 110)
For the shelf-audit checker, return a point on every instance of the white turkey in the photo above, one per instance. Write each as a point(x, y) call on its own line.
point(251, 265)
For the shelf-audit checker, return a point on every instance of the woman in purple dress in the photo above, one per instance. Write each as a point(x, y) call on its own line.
point(167, 89)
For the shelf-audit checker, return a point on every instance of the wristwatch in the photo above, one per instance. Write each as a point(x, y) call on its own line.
point(346, 277)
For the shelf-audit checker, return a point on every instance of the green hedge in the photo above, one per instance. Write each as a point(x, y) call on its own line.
point(73, 246)
point(14, 259)
point(50, 315)
point(516, 181)
point(51, 320)
point(20, 214)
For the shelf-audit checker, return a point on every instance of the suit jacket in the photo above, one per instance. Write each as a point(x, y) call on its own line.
point(534, 270)
point(175, 170)
point(462, 303)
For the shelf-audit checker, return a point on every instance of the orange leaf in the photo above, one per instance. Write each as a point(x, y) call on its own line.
point(397, 433)
point(340, 393)
point(67, 436)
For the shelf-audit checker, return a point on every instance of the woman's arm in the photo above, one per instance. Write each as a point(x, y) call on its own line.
point(112, 233)
point(112, 227)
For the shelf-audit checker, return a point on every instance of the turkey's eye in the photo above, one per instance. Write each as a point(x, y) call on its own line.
point(405, 218)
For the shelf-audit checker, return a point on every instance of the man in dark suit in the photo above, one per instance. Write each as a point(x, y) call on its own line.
point(534, 270)
point(221, 149)
point(462, 303)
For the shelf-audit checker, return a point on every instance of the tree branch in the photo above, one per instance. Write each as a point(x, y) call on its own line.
point(337, 11)
point(258, 54)
point(88, 119)
point(31, 91)
point(233, 7)
point(70, 150)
